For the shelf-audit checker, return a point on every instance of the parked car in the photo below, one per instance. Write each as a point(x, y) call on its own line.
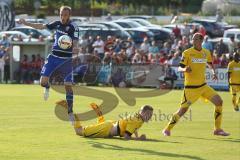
point(144, 22)
point(13, 35)
point(160, 34)
point(103, 32)
point(213, 28)
point(79, 20)
point(34, 32)
point(148, 18)
point(227, 26)
point(136, 31)
point(231, 33)
point(31, 20)
point(138, 35)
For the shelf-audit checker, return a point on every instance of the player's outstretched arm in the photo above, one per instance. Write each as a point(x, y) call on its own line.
point(34, 25)
point(141, 138)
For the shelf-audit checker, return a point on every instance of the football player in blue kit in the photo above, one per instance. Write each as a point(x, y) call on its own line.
point(64, 29)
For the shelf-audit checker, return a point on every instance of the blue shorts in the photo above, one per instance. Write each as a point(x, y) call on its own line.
point(58, 66)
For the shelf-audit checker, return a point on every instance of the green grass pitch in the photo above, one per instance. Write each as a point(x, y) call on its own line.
point(29, 129)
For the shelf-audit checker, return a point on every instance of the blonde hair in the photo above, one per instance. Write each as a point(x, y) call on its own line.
point(66, 8)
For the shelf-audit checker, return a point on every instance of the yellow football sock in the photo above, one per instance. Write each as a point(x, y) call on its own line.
point(238, 102)
point(173, 121)
point(218, 117)
point(234, 100)
point(77, 123)
point(101, 119)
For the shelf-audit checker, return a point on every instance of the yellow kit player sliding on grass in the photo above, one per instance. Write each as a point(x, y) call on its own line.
point(106, 129)
point(234, 79)
point(193, 65)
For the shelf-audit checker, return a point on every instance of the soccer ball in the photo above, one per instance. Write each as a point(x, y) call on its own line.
point(64, 42)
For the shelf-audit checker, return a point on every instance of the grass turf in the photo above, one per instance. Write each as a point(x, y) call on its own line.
point(29, 129)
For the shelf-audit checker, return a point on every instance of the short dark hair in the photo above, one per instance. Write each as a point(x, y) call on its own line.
point(66, 8)
point(145, 108)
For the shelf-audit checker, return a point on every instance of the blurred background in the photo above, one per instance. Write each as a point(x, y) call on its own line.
point(133, 32)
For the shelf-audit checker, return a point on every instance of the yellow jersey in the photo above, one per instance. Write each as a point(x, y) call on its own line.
point(234, 69)
point(129, 124)
point(197, 61)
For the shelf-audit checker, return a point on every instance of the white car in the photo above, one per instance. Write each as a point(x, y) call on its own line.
point(231, 33)
point(13, 35)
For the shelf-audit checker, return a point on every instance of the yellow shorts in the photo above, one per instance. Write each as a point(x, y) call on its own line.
point(100, 130)
point(234, 89)
point(191, 95)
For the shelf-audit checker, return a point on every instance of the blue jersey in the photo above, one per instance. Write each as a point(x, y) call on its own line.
point(69, 29)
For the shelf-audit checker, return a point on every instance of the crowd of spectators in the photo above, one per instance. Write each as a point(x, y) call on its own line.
point(29, 70)
point(4, 59)
point(149, 51)
point(119, 52)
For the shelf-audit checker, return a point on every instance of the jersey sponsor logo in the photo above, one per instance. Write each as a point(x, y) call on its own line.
point(236, 68)
point(61, 31)
point(199, 60)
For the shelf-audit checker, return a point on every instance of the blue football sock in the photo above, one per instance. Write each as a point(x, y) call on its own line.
point(69, 98)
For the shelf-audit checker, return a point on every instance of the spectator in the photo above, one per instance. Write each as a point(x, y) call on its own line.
point(177, 32)
point(185, 43)
point(137, 58)
point(223, 61)
point(221, 48)
point(195, 29)
point(40, 62)
point(219, 15)
point(162, 58)
point(90, 42)
point(207, 45)
point(2, 63)
point(130, 50)
point(153, 50)
point(30, 38)
point(84, 42)
point(144, 48)
point(175, 60)
point(174, 46)
point(166, 48)
point(33, 70)
point(19, 38)
point(6, 67)
point(41, 38)
point(95, 57)
point(24, 69)
point(5, 42)
point(117, 45)
point(109, 17)
point(170, 75)
point(186, 30)
point(98, 46)
point(232, 45)
point(202, 31)
point(216, 59)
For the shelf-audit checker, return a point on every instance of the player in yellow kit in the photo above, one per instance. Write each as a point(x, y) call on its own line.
point(106, 129)
point(234, 79)
point(193, 65)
